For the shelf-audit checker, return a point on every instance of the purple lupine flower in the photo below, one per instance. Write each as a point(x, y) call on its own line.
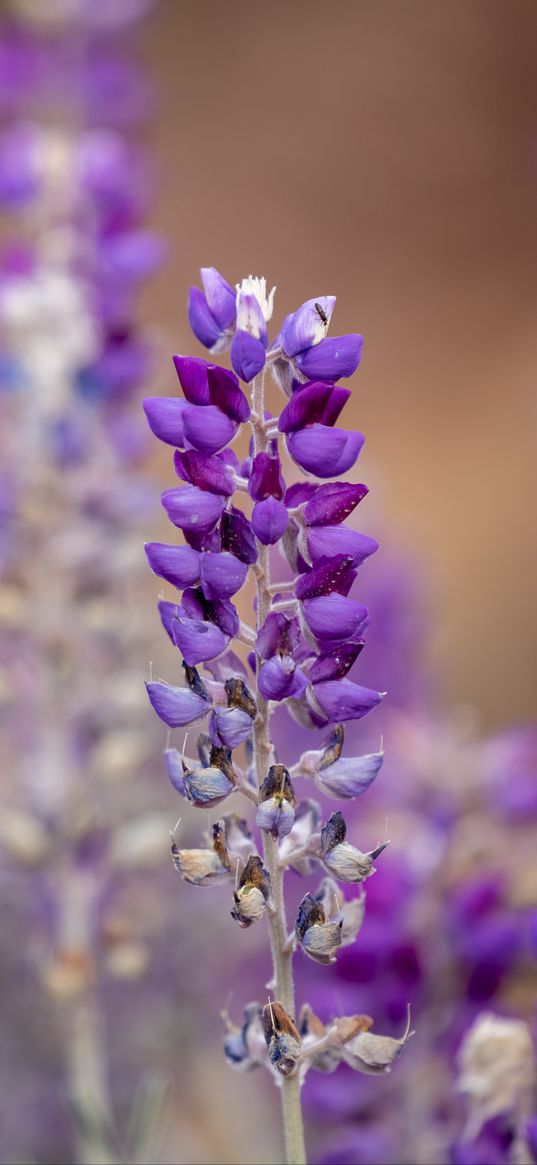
point(304, 635)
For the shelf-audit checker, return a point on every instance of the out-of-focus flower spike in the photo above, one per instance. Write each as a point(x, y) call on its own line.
point(308, 325)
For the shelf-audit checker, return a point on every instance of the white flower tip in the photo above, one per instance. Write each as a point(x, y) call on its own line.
point(256, 285)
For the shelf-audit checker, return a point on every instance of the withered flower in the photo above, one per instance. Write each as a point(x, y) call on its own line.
point(252, 893)
point(318, 938)
point(343, 859)
point(282, 1038)
point(277, 800)
point(372, 1054)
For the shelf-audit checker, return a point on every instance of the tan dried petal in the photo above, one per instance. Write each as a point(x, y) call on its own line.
point(497, 1069)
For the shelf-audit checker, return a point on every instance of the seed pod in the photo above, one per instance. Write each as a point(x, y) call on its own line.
point(318, 938)
point(282, 1039)
point(252, 893)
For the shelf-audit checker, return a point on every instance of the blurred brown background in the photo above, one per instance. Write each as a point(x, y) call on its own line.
point(386, 152)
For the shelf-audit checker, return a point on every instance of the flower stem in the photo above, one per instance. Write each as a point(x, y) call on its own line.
point(282, 956)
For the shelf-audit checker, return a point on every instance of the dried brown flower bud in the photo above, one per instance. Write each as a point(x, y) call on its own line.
point(372, 1054)
point(239, 696)
point(282, 1038)
point(319, 939)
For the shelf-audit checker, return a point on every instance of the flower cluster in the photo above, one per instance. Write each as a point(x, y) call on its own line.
point(235, 511)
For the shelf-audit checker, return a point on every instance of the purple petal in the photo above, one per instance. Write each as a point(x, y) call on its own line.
point(192, 375)
point(191, 508)
point(331, 359)
point(302, 491)
point(179, 565)
point(334, 617)
point(247, 355)
point(197, 640)
point(344, 700)
point(229, 726)
point(168, 612)
point(306, 326)
point(224, 614)
point(330, 574)
point(323, 451)
point(312, 404)
point(220, 297)
point(207, 429)
point(193, 605)
point(350, 776)
point(278, 633)
point(279, 678)
point(207, 787)
point(266, 478)
point(203, 470)
point(226, 394)
point(335, 664)
point(174, 767)
point(200, 317)
point(326, 541)
point(269, 520)
point(331, 503)
point(205, 541)
point(176, 706)
point(165, 418)
point(237, 536)
point(275, 816)
point(222, 575)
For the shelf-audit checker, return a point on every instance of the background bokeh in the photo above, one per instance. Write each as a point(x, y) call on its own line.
point(387, 153)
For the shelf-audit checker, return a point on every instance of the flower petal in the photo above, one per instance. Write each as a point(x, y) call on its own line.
point(192, 374)
point(176, 706)
point(226, 393)
point(327, 576)
point(350, 776)
point(191, 508)
point(179, 565)
point(344, 700)
point(200, 317)
point(269, 520)
point(222, 575)
point(198, 640)
point(237, 536)
point(221, 298)
point(335, 664)
point(266, 478)
point(247, 355)
point(334, 617)
point(324, 451)
point(306, 326)
point(327, 541)
point(204, 470)
point(207, 428)
point(229, 726)
point(174, 767)
point(330, 504)
point(331, 359)
point(165, 418)
point(280, 678)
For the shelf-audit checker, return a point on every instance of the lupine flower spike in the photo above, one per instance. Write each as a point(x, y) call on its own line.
point(307, 633)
